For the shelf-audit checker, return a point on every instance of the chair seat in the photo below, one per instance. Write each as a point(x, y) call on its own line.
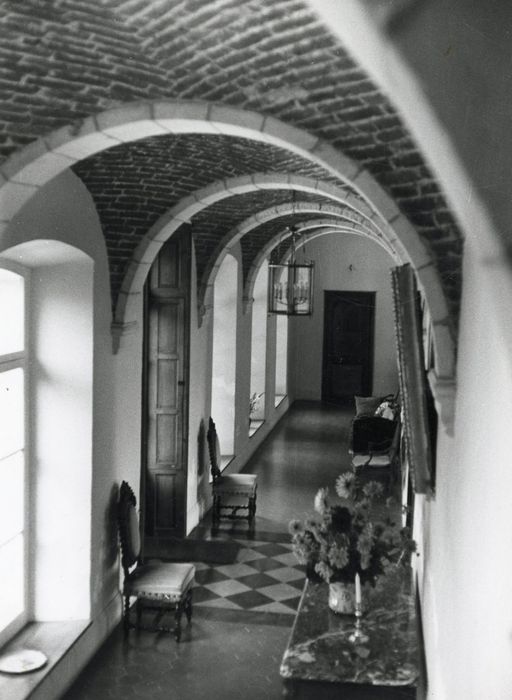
point(160, 581)
point(235, 484)
point(379, 461)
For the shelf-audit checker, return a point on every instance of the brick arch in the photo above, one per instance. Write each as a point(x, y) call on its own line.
point(30, 168)
point(27, 170)
point(320, 227)
point(340, 217)
point(400, 234)
point(337, 210)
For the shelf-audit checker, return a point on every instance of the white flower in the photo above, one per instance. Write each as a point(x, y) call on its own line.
point(295, 527)
point(344, 484)
point(321, 502)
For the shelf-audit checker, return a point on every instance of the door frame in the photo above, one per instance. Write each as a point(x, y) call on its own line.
point(369, 296)
point(185, 246)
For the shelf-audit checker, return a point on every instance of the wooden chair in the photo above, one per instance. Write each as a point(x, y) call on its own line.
point(232, 493)
point(379, 461)
point(155, 585)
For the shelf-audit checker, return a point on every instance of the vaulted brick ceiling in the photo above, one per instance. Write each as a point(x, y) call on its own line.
point(64, 60)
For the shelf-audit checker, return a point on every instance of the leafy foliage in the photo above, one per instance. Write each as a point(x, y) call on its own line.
point(343, 539)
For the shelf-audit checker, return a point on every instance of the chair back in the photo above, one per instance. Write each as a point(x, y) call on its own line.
point(213, 449)
point(128, 524)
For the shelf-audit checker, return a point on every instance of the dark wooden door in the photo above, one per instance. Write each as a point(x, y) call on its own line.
point(348, 345)
point(166, 352)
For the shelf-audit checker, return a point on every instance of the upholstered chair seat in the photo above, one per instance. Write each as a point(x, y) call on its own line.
point(160, 581)
point(236, 484)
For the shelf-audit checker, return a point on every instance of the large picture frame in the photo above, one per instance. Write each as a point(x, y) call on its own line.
point(412, 379)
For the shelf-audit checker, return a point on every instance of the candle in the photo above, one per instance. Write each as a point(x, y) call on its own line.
point(358, 590)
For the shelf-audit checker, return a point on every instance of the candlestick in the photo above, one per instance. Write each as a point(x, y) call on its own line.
point(358, 636)
point(358, 591)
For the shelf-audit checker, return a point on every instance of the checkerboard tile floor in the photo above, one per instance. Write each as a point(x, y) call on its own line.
point(265, 578)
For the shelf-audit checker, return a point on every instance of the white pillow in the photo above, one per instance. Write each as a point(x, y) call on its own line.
point(385, 410)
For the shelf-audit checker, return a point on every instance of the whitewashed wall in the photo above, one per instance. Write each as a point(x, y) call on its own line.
point(333, 254)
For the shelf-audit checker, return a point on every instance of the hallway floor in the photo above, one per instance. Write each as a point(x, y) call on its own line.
point(243, 611)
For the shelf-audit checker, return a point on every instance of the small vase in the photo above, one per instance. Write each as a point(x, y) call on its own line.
point(342, 598)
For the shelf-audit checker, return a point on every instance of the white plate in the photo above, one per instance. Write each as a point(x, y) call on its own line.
point(22, 661)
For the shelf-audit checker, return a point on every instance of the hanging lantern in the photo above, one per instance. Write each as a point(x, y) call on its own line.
point(290, 285)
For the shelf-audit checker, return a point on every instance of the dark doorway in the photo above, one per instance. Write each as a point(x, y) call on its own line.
point(166, 388)
point(348, 345)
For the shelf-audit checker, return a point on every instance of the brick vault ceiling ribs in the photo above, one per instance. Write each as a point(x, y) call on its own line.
point(254, 241)
point(211, 225)
point(134, 184)
point(63, 61)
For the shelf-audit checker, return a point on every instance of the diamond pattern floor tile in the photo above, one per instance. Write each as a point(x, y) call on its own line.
point(288, 559)
point(247, 555)
point(266, 564)
point(274, 607)
point(257, 580)
point(227, 588)
point(224, 603)
point(235, 570)
point(210, 575)
point(279, 591)
point(265, 578)
point(250, 599)
point(287, 574)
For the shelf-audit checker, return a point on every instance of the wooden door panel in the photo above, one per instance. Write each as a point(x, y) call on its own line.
point(166, 452)
point(170, 324)
point(167, 517)
point(167, 377)
point(169, 265)
point(348, 345)
point(346, 380)
point(167, 384)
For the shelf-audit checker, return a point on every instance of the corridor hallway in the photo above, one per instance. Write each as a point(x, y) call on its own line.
point(233, 648)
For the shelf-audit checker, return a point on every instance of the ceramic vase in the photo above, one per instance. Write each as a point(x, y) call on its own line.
point(342, 598)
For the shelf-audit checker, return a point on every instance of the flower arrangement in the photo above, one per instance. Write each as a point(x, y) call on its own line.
point(345, 540)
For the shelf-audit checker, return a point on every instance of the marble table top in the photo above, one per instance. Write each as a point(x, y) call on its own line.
point(319, 648)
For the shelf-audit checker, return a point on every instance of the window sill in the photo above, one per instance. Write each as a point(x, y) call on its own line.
point(52, 638)
point(224, 461)
point(254, 425)
point(279, 398)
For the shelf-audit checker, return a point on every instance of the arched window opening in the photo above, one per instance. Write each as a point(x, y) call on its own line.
point(46, 462)
point(258, 351)
point(281, 359)
point(13, 477)
point(224, 355)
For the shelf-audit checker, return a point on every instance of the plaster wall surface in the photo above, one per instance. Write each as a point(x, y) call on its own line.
point(199, 402)
point(333, 255)
point(63, 212)
point(465, 573)
point(60, 391)
point(447, 66)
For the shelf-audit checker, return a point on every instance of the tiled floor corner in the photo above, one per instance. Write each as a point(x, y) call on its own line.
point(264, 578)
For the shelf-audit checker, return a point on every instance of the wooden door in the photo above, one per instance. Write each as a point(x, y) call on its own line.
point(348, 345)
point(166, 353)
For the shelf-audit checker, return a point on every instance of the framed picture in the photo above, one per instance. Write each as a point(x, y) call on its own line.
point(412, 378)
